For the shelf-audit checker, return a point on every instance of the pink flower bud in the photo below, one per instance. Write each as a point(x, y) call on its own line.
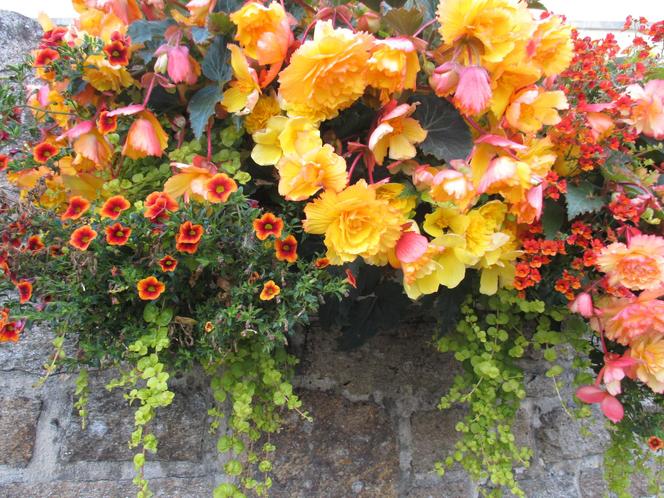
point(179, 65)
point(444, 79)
point(583, 305)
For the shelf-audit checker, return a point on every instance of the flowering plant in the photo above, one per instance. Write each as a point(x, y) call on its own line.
point(201, 157)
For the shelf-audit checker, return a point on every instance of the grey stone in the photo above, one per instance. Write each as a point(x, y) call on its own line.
point(349, 449)
point(434, 437)
point(181, 427)
point(162, 488)
point(30, 353)
point(551, 484)
point(18, 429)
point(592, 483)
point(18, 35)
point(452, 485)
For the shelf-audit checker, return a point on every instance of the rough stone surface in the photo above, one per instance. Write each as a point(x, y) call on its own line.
point(348, 450)
point(18, 429)
point(18, 35)
point(433, 436)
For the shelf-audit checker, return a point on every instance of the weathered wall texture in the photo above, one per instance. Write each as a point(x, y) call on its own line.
point(376, 432)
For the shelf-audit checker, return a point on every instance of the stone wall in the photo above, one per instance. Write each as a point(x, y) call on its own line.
point(375, 433)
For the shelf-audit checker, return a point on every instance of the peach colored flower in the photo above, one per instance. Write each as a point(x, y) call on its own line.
point(648, 111)
point(638, 265)
point(649, 352)
point(146, 137)
point(396, 133)
point(624, 320)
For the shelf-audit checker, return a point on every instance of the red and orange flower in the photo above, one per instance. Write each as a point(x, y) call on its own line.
point(44, 151)
point(321, 263)
point(286, 249)
point(35, 243)
point(117, 234)
point(158, 205)
point(77, 207)
point(106, 124)
point(82, 237)
point(655, 443)
point(4, 162)
point(45, 56)
point(114, 206)
point(270, 291)
point(168, 263)
point(186, 247)
point(150, 288)
point(219, 188)
point(189, 233)
point(267, 225)
point(117, 53)
point(24, 291)
point(10, 332)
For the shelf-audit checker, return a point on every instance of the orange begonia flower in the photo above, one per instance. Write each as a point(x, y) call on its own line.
point(286, 249)
point(114, 206)
point(82, 237)
point(150, 288)
point(77, 207)
point(145, 137)
point(117, 234)
point(267, 225)
point(270, 291)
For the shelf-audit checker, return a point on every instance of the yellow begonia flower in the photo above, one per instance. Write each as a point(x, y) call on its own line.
point(283, 135)
point(491, 28)
point(255, 23)
point(393, 193)
point(101, 24)
point(104, 76)
point(244, 90)
point(551, 45)
point(396, 132)
point(393, 66)
point(266, 107)
point(326, 74)
point(532, 108)
point(300, 177)
point(355, 224)
point(497, 264)
point(648, 350)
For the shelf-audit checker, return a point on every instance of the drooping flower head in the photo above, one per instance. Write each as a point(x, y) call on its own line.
point(150, 288)
point(145, 137)
point(82, 237)
point(114, 207)
point(188, 233)
point(638, 265)
point(168, 263)
point(473, 90)
point(270, 291)
point(326, 74)
point(117, 234)
point(76, 208)
point(286, 249)
point(24, 291)
point(267, 225)
point(396, 133)
point(219, 188)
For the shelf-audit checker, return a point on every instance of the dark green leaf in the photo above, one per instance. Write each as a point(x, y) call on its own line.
point(201, 107)
point(396, 3)
point(449, 137)
point(219, 23)
point(215, 64)
point(583, 198)
point(428, 8)
point(142, 31)
point(372, 4)
point(553, 218)
point(404, 21)
point(228, 5)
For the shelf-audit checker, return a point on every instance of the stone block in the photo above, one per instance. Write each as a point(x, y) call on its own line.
point(18, 429)
point(592, 483)
point(350, 449)
point(18, 35)
point(28, 354)
point(452, 485)
point(433, 436)
point(181, 427)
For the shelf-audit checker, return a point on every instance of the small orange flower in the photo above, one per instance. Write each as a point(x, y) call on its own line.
point(45, 56)
point(190, 233)
point(4, 162)
point(158, 204)
point(267, 225)
point(82, 237)
point(77, 207)
point(117, 53)
point(24, 291)
point(55, 251)
point(286, 249)
point(186, 247)
point(35, 243)
point(219, 188)
point(114, 206)
point(44, 151)
point(270, 291)
point(117, 235)
point(168, 263)
point(106, 124)
point(10, 332)
point(655, 443)
point(321, 263)
point(150, 288)
point(350, 278)
point(209, 327)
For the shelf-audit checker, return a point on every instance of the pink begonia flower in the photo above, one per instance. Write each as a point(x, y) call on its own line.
point(535, 198)
point(80, 129)
point(500, 168)
point(498, 141)
point(411, 246)
point(473, 91)
point(613, 371)
point(583, 305)
point(610, 406)
point(648, 111)
point(445, 79)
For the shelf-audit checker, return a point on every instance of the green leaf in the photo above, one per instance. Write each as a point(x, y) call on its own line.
point(201, 107)
point(216, 64)
point(554, 371)
point(142, 31)
point(553, 218)
point(583, 198)
point(165, 317)
point(372, 4)
point(449, 137)
point(404, 21)
point(150, 313)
